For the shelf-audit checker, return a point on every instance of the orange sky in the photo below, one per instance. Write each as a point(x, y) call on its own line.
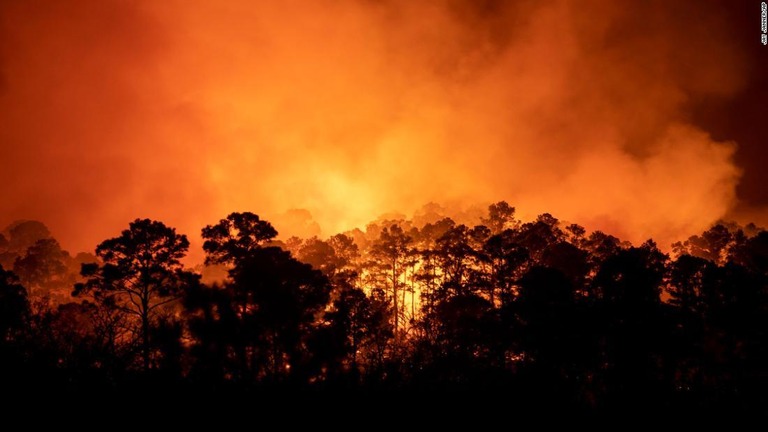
point(184, 111)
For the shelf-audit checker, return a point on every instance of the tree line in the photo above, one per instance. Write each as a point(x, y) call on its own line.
point(537, 311)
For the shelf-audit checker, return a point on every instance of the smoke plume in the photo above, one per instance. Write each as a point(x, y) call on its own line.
point(184, 111)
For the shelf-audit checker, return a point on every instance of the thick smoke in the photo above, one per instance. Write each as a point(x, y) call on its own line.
point(184, 111)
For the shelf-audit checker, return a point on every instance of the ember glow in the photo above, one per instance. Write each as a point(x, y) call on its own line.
point(186, 110)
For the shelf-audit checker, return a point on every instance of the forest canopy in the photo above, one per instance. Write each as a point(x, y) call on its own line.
point(538, 310)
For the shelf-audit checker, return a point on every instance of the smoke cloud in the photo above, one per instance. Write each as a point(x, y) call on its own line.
point(187, 110)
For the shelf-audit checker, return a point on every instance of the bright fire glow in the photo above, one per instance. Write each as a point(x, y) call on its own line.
point(185, 111)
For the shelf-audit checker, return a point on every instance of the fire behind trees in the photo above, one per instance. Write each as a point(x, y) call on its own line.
point(534, 311)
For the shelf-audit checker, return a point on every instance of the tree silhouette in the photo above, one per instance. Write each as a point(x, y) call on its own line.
point(14, 306)
point(548, 330)
point(501, 216)
point(508, 259)
point(140, 273)
point(429, 275)
point(546, 312)
point(264, 315)
point(355, 329)
point(268, 309)
point(234, 238)
point(455, 253)
point(14, 318)
point(687, 277)
point(43, 267)
point(23, 234)
point(713, 244)
point(19, 236)
point(279, 298)
point(392, 253)
point(629, 307)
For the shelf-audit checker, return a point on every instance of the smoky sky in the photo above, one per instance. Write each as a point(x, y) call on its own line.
point(637, 118)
